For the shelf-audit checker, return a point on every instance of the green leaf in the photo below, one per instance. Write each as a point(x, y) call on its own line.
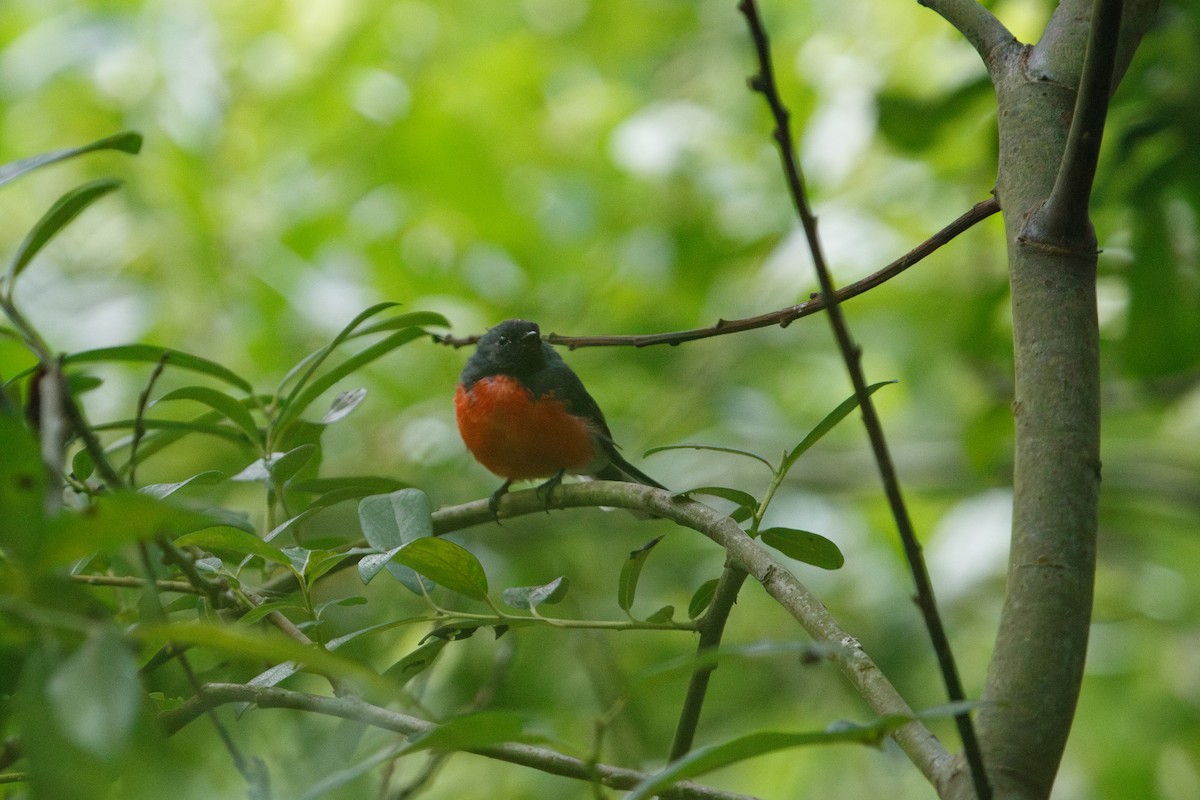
point(126, 142)
point(294, 406)
point(412, 319)
point(471, 732)
point(390, 520)
point(82, 466)
point(322, 561)
point(234, 540)
point(662, 616)
point(529, 597)
point(811, 548)
point(371, 484)
point(114, 521)
point(826, 425)
point(173, 428)
point(715, 448)
point(445, 563)
point(631, 570)
point(65, 209)
point(349, 490)
point(707, 759)
point(152, 354)
point(262, 610)
point(309, 364)
point(743, 499)
point(160, 491)
point(702, 598)
point(22, 491)
point(252, 644)
point(415, 662)
point(341, 602)
point(283, 467)
point(343, 404)
point(276, 468)
point(229, 407)
point(94, 695)
point(287, 524)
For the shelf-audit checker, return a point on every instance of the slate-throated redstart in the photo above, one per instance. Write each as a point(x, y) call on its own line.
point(524, 414)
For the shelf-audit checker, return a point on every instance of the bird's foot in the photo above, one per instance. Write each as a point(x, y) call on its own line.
point(547, 489)
point(494, 500)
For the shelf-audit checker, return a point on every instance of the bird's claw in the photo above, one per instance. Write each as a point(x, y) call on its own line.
point(494, 500)
point(545, 490)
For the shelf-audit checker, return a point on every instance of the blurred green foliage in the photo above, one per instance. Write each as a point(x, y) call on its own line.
point(598, 167)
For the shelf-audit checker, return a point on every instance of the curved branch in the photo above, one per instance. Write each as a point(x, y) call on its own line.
point(917, 741)
point(354, 708)
point(980, 27)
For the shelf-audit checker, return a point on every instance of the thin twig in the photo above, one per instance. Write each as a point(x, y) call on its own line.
point(764, 83)
point(784, 316)
point(139, 417)
point(131, 582)
point(253, 776)
point(712, 627)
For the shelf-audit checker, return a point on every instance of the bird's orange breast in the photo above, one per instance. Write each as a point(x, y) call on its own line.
point(519, 437)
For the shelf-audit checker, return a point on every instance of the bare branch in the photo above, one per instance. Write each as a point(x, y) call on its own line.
point(712, 628)
point(784, 316)
point(978, 26)
point(921, 746)
point(354, 708)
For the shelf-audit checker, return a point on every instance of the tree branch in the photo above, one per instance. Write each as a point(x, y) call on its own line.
point(744, 553)
point(1063, 220)
point(353, 708)
point(712, 628)
point(978, 26)
point(764, 83)
point(784, 316)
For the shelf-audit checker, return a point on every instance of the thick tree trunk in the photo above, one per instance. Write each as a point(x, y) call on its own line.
point(1037, 667)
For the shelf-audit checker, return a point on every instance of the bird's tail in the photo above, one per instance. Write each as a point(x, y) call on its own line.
point(619, 469)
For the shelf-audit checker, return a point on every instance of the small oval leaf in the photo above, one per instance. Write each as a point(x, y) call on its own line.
point(446, 563)
point(528, 597)
point(811, 548)
point(343, 404)
point(236, 541)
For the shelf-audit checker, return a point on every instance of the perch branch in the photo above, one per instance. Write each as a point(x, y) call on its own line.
point(784, 316)
point(743, 553)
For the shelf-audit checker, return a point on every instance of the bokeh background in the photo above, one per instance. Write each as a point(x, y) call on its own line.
point(600, 167)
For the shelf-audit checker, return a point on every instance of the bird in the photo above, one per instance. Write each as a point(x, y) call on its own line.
point(524, 415)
